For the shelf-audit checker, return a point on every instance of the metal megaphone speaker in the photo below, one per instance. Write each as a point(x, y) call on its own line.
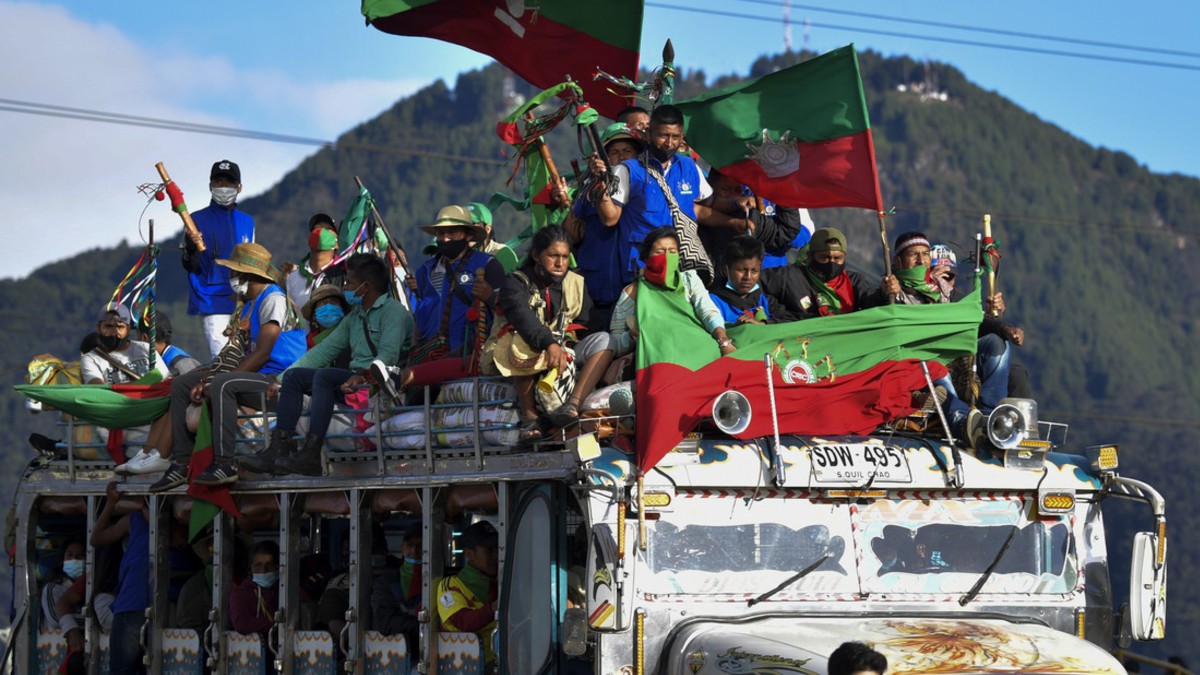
point(731, 412)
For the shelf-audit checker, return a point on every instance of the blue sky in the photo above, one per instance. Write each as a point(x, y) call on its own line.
point(311, 68)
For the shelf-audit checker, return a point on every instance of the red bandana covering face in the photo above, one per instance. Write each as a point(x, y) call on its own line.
point(844, 290)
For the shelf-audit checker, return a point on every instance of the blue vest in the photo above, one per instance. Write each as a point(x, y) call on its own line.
point(222, 229)
point(647, 206)
point(429, 307)
point(172, 354)
point(289, 346)
point(600, 256)
point(731, 313)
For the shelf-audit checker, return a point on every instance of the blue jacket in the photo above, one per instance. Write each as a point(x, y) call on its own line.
point(647, 207)
point(208, 282)
point(600, 256)
point(733, 305)
point(430, 305)
point(289, 346)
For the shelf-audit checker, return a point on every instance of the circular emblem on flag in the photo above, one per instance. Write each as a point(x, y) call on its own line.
point(465, 278)
point(777, 158)
point(799, 371)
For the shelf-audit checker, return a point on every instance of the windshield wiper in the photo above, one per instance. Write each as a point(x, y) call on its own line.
point(987, 574)
point(789, 581)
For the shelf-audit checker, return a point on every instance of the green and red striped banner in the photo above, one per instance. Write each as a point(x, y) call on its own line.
point(863, 367)
point(542, 42)
point(113, 406)
point(800, 137)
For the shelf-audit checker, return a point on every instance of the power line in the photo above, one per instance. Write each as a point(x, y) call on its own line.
point(88, 115)
point(933, 38)
point(1127, 419)
point(981, 29)
point(1045, 220)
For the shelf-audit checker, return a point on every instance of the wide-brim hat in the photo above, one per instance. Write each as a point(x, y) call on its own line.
point(514, 356)
point(619, 131)
point(456, 216)
point(251, 258)
point(322, 292)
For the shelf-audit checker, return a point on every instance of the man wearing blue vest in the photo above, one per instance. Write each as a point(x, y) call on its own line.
point(639, 203)
point(220, 226)
point(275, 341)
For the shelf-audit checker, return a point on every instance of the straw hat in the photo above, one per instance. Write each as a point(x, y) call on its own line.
point(456, 216)
point(322, 292)
point(514, 356)
point(251, 258)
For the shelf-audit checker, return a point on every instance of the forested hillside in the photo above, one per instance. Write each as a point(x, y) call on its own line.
point(1096, 263)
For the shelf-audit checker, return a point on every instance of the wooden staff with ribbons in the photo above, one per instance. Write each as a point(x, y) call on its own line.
point(989, 247)
point(179, 206)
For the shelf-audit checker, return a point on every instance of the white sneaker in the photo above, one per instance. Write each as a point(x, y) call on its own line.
point(123, 469)
point(150, 462)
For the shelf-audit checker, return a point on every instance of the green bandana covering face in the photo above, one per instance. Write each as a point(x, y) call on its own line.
point(917, 279)
point(476, 582)
point(831, 295)
point(663, 270)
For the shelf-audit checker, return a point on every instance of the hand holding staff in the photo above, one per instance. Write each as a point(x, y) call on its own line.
point(991, 268)
point(178, 206)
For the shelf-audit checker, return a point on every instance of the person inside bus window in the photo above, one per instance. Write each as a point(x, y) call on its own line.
point(133, 579)
point(396, 596)
point(253, 603)
point(467, 601)
point(335, 598)
point(856, 658)
point(70, 621)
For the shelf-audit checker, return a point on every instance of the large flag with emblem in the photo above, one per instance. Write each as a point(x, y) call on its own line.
point(113, 406)
point(844, 374)
point(541, 41)
point(799, 137)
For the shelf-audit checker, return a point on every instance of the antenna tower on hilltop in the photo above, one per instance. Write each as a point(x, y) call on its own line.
point(787, 25)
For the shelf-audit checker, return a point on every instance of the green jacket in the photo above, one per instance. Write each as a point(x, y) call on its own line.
point(391, 327)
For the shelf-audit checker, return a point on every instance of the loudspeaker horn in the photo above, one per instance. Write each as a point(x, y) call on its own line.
point(731, 412)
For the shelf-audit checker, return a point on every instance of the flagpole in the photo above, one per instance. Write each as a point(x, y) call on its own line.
point(987, 237)
point(887, 252)
point(150, 297)
point(393, 243)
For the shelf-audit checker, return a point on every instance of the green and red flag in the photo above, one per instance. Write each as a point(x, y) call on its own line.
point(540, 41)
point(209, 499)
point(113, 406)
point(843, 374)
point(799, 137)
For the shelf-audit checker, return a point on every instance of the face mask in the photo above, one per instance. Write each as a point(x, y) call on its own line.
point(266, 579)
point(109, 342)
point(352, 299)
point(827, 271)
point(322, 239)
point(661, 154)
point(240, 286)
point(450, 250)
point(413, 561)
point(224, 195)
point(73, 568)
point(329, 315)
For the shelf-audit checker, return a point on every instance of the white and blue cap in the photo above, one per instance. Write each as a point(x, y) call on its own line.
point(941, 256)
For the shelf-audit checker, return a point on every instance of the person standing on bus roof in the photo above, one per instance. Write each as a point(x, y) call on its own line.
point(133, 580)
point(467, 601)
point(856, 658)
point(221, 227)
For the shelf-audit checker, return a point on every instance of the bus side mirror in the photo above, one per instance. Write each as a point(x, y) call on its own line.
point(1148, 587)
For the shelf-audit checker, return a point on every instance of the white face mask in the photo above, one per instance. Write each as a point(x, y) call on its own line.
point(239, 285)
point(224, 195)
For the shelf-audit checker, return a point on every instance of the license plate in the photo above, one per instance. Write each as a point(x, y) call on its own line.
point(856, 463)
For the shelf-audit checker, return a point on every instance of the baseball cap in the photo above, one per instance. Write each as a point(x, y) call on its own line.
point(821, 238)
point(121, 311)
point(322, 218)
point(482, 533)
point(226, 168)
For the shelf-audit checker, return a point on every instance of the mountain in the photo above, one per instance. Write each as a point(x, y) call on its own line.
point(1096, 267)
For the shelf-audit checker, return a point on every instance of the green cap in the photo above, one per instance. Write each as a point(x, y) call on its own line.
point(821, 238)
point(480, 213)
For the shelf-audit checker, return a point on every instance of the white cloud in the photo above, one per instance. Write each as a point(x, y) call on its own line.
point(69, 185)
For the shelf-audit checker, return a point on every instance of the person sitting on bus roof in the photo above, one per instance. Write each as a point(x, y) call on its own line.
point(660, 253)
point(133, 579)
point(856, 658)
point(778, 228)
point(467, 601)
point(821, 285)
point(276, 341)
point(253, 603)
point(315, 268)
point(737, 293)
point(396, 594)
point(481, 216)
point(544, 304)
point(918, 281)
point(176, 360)
point(325, 309)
